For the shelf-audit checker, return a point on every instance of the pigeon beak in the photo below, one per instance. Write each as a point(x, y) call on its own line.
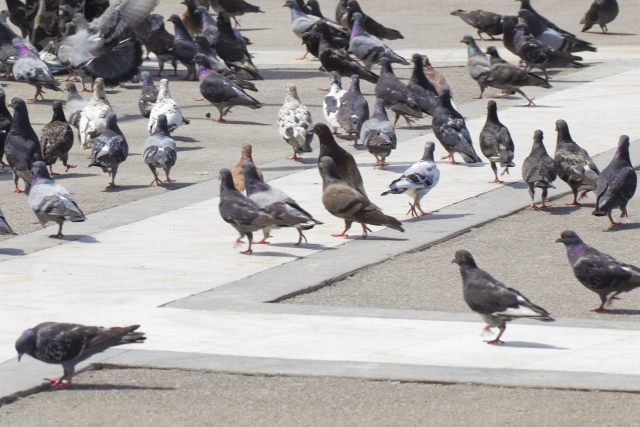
point(559, 240)
point(19, 356)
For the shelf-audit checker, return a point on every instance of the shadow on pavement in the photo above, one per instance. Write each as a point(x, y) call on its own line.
point(623, 227)
point(112, 387)
point(524, 344)
point(11, 251)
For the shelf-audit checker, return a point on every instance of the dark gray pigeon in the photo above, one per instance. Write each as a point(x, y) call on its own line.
point(184, 48)
point(148, 96)
point(18, 15)
point(496, 143)
point(73, 107)
point(30, 69)
point(68, 344)
point(423, 91)
point(241, 212)
point(617, 183)
point(451, 130)
point(5, 124)
point(553, 38)
point(395, 94)
point(57, 139)
point(371, 25)
point(485, 22)
point(538, 170)
point(219, 66)
point(160, 151)
point(22, 146)
point(526, 4)
point(277, 204)
point(353, 110)
point(598, 272)
point(50, 201)
point(478, 65)
point(110, 148)
point(509, 32)
point(314, 9)
point(234, 51)
point(5, 229)
point(368, 48)
point(342, 13)
point(601, 12)
point(234, 8)
point(160, 41)
point(496, 303)
point(573, 164)
point(379, 135)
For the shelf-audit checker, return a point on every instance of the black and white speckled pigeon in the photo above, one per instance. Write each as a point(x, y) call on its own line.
point(22, 146)
point(617, 183)
point(573, 164)
point(148, 96)
point(496, 303)
point(331, 102)
point(379, 135)
point(478, 65)
point(451, 130)
point(160, 151)
point(184, 48)
point(353, 110)
point(5, 124)
point(372, 26)
point(601, 12)
point(368, 48)
point(160, 42)
point(167, 106)
point(234, 51)
point(395, 94)
point(50, 201)
point(417, 181)
point(423, 91)
point(57, 139)
point(295, 123)
point(68, 344)
point(30, 69)
point(241, 212)
point(496, 143)
point(73, 107)
point(538, 170)
point(5, 229)
point(551, 37)
point(110, 148)
point(526, 4)
point(599, 272)
point(485, 22)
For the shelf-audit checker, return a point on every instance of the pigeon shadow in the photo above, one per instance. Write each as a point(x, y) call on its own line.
point(387, 239)
point(399, 168)
point(302, 245)
point(291, 75)
point(623, 227)
point(242, 122)
point(11, 251)
point(612, 34)
point(536, 106)
point(128, 117)
point(299, 167)
point(242, 30)
point(622, 312)
point(189, 148)
point(524, 344)
point(85, 387)
point(274, 254)
point(518, 185)
point(561, 210)
point(73, 175)
point(183, 139)
point(82, 238)
point(123, 188)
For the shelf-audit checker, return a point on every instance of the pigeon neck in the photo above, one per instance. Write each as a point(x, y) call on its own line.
point(39, 180)
point(564, 137)
point(20, 120)
point(357, 28)
point(379, 109)
point(326, 39)
point(355, 86)
point(467, 269)
point(181, 32)
point(575, 250)
point(23, 51)
point(204, 72)
point(622, 154)
point(428, 154)
point(492, 115)
point(296, 13)
point(164, 93)
point(538, 146)
point(254, 185)
point(58, 115)
point(386, 68)
point(207, 20)
point(147, 83)
point(473, 49)
point(419, 77)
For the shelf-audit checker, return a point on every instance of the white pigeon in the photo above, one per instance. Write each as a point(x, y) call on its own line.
point(294, 122)
point(167, 106)
point(418, 180)
point(93, 118)
point(331, 102)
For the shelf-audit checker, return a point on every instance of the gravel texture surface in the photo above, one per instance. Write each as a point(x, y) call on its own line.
point(168, 398)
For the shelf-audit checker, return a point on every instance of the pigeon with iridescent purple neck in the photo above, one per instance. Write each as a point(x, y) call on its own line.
point(368, 48)
point(379, 135)
point(396, 95)
point(184, 48)
point(30, 69)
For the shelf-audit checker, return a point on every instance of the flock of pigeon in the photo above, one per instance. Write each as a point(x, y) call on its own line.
point(108, 51)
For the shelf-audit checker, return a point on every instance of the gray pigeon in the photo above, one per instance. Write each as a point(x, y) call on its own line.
point(496, 303)
point(478, 65)
point(573, 164)
point(598, 272)
point(485, 22)
point(241, 212)
point(509, 32)
point(617, 183)
point(526, 4)
point(22, 146)
point(160, 41)
point(73, 107)
point(149, 95)
point(368, 48)
point(332, 101)
point(496, 143)
point(538, 170)
point(423, 91)
point(395, 94)
point(5, 229)
point(68, 344)
point(601, 12)
point(184, 48)
point(160, 151)
point(217, 65)
point(277, 204)
point(50, 201)
point(451, 130)
point(234, 8)
point(110, 148)
point(233, 51)
point(379, 135)
point(372, 26)
point(353, 110)
point(553, 38)
point(30, 69)
point(5, 124)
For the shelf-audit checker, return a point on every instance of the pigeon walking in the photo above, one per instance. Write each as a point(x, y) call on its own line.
point(617, 183)
point(395, 94)
point(538, 170)
point(110, 149)
point(57, 139)
point(30, 69)
point(451, 130)
point(417, 181)
point(160, 42)
point(236, 173)
point(167, 106)
point(526, 4)
point(74, 106)
point(379, 135)
point(184, 48)
point(294, 122)
point(22, 146)
point(160, 151)
point(601, 12)
point(148, 96)
point(234, 51)
point(423, 91)
point(599, 272)
point(368, 48)
point(353, 110)
point(68, 344)
point(234, 8)
point(93, 117)
point(496, 143)
point(478, 65)
point(332, 101)
point(485, 22)
point(551, 37)
point(371, 25)
point(496, 303)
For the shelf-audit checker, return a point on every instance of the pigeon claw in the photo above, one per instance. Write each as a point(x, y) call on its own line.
point(247, 252)
point(70, 167)
point(59, 384)
point(494, 341)
point(343, 234)
point(261, 242)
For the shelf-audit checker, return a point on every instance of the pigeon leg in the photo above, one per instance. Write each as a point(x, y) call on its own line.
point(583, 194)
point(494, 168)
point(51, 172)
point(416, 205)
point(347, 226)
point(412, 210)
point(300, 237)
point(544, 198)
point(506, 170)
point(603, 302)
point(599, 309)
point(69, 166)
point(58, 383)
point(249, 251)
point(168, 179)
point(112, 184)
point(15, 181)
point(377, 163)
point(409, 121)
point(303, 56)
point(546, 76)
point(200, 99)
point(38, 93)
point(481, 38)
point(396, 120)
point(354, 137)
point(294, 157)
point(611, 298)
point(220, 119)
point(335, 132)
point(612, 221)
point(59, 231)
point(364, 230)
point(575, 199)
point(158, 74)
point(481, 92)
point(156, 180)
point(237, 23)
point(496, 340)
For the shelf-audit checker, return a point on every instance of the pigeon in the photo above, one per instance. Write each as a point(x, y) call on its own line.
point(220, 91)
point(236, 173)
point(573, 164)
point(353, 110)
point(538, 170)
point(333, 58)
point(191, 20)
point(434, 76)
point(93, 117)
point(496, 303)
point(277, 204)
point(160, 42)
point(148, 96)
point(496, 143)
point(342, 13)
point(423, 91)
point(184, 48)
point(50, 201)
point(451, 130)
point(379, 135)
point(159, 150)
point(343, 160)
point(294, 122)
point(110, 149)
point(57, 139)
point(5, 229)
point(74, 106)
point(343, 201)
point(509, 32)
point(30, 69)
point(372, 26)
point(601, 12)
point(551, 37)
point(332, 101)
point(311, 40)
point(599, 272)
point(395, 94)
point(417, 181)
point(234, 8)
point(241, 212)
point(368, 48)
point(478, 65)
point(68, 344)
point(314, 9)
point(617, 183)
point(5, 124)
point(526, 4)
point(233, 51)
point(219, 66)
point(167, 106)
point(301, 22)
point(485, 22)
point(18, 16)
point(22, 146)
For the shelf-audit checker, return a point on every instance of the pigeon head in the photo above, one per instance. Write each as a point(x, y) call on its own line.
point(563, 132)
point(226, 181)
point(355, 83)
point(20, 115)
point(354, 6)
point(429, 149)
point(164, 89)
point(523, 28)
point(425, 61)
point(147, 81)
point(2, 95)
point(493, 52)
point(385, 66)
point(623, 149)
point(191, 5)
point(181, 32)
point(98, 89)
point(162, 126)
point(417, 59)
point(445, 98)
point(324, 133)
point(538, 136)
point(464, 259)
point(58, 112)
point(508, 24)
point(295, 9)
point(252, 181)
point(379, 107)
point(72, 91)
point(112, 123)
point(358, 24)
point(290, 92)
point(492, 111)
point(26, 344)
point(204, 69)
point(69, 29)
point(526, 17)
point(328, 170)
point(153, 23)
point(571, 240)
point(202, 41)
point(472, 47)
point(40, 172)
point(335, 79)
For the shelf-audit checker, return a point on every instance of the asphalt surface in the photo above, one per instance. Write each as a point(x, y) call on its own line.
point(159, 398)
